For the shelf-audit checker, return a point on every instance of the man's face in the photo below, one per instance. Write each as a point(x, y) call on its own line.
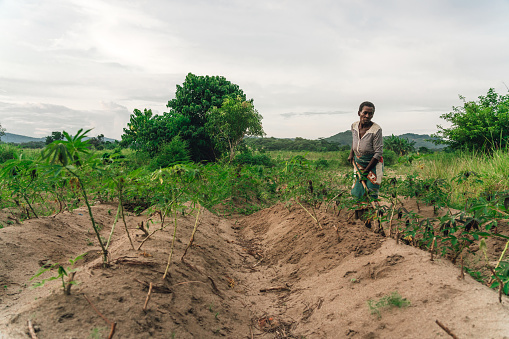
point(366, 114)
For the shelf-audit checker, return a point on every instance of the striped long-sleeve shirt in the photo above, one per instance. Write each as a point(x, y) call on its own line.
point(371, 142)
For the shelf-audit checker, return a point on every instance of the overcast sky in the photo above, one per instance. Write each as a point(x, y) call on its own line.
point(307, 64)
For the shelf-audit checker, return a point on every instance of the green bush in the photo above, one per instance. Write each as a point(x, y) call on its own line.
point(249, 158)
point(172, 153)
point(390, 157)
point(7, 152)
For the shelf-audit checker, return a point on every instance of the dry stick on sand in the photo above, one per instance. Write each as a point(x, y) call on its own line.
point(163, 215)
point(192, 234)
point(314, 218)
point(462, 273)
point(448, 331)
point(31, 330)
point(148, 297)
point(432, 246)
point(113, 325)
point(172, 246)
point(390, 222)
point(125, 224)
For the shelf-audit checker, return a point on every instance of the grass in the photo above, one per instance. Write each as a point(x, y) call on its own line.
point(387, 302)
point(489, 173)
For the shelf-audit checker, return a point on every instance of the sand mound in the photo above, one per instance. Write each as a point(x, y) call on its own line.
point(273, 274)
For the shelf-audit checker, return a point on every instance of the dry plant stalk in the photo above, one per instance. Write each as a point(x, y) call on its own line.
point(432, 247)
point(148, 297)
point(113, 325)
point(31, 330)
point(192, 234)
point(172, 247)
point(314, 218)
point(462, 273)
point(448, 331)
point(125, 224)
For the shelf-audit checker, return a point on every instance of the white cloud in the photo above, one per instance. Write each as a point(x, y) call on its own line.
point(76, 58)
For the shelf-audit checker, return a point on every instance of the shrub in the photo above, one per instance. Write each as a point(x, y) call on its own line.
point(249, 158)
point(174, 152)
point(7, 152)
point(390, 157)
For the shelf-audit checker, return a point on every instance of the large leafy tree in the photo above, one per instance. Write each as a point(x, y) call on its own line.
point(187, 119)
point(197, 96)
point(481, 125)
point(228, 124)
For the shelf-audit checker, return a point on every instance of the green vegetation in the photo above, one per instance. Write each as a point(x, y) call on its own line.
point(387, 302)
point(163, 175)
point(61, 273)
point(481, 125)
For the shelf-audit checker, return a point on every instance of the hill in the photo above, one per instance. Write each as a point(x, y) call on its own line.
point(18, 139)
point(345, 138)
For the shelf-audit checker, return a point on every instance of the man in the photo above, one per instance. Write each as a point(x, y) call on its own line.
point(366, 152)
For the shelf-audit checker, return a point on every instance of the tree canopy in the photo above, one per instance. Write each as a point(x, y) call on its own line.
point(198, 100)
point(481, 125)
point(227, 125)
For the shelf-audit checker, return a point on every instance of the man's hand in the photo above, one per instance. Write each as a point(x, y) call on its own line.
point(350, 157)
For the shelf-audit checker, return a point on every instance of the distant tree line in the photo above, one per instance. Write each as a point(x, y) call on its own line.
point(297, 144)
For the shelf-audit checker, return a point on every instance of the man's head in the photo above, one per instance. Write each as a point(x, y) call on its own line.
point(366, 112)
point(368, 104)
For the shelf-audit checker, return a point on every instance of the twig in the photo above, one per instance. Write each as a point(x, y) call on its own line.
point(31, 329)
point(113, 325)
point(432, 246)
point(155, 288)
point(350, 217)
point(448, 331)
point(125, 224)
point(192, 234)
point(462, 273)
point(97, 311)
point(112, 331)
point(279, 288)
point(148, 297)
point(172, 246)
point(317, 222)
point(215, 287)
point(390, 222)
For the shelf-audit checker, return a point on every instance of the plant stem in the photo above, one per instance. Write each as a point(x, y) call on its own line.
point(84, 192)
point(113, 227)
point(172, 246)
point(125, 224)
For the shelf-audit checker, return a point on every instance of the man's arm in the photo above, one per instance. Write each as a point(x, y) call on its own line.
point(350, 157)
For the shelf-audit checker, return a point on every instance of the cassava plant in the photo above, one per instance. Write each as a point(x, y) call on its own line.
point(70, 155)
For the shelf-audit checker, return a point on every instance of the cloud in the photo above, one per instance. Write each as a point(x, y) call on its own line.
point(297, 60)
point(293, 114)
point(40, 119)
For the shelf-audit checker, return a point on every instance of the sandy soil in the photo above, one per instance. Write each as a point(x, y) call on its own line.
point(273, 274)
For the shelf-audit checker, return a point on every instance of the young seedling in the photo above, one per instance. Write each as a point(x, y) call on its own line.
point(388, 301)
point(61, 272)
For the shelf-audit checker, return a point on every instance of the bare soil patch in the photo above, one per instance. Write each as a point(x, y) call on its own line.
point(273, 274)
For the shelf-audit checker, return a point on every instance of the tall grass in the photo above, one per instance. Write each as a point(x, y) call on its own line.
point(486, 174)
